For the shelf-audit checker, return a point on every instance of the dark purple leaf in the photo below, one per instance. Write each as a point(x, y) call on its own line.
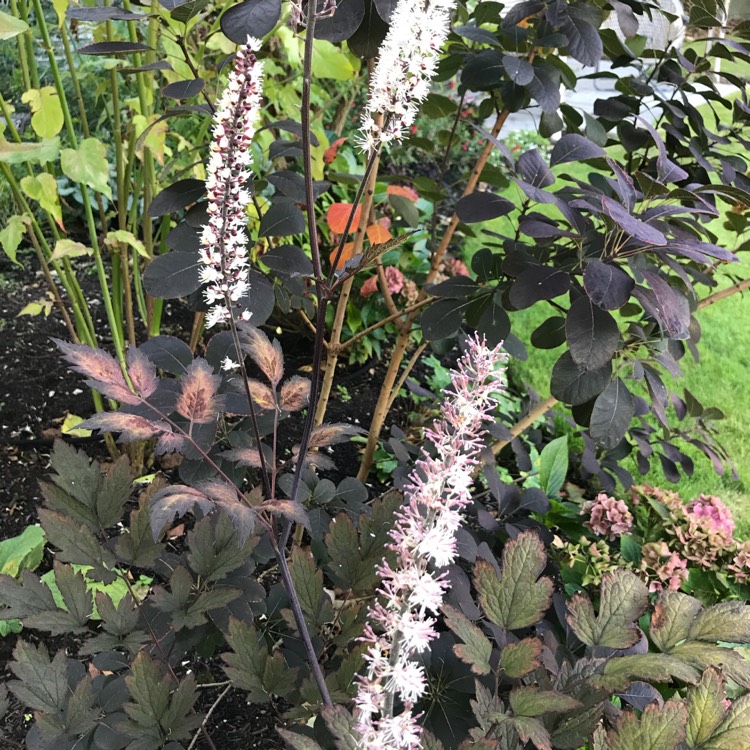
point(343, 23)
point(634, 227)
point(537, 283)
point(519, 70)
point(259, 300)
point(184, 89)
point(545, 88)
point(611, 416)
point(290, 126)
point(550, 334)
point(282, 219)
point(482, 206)
point(483, 71)
point(667, 170)
point(456, 287)
point(366, 41)
point(607, 286)
point(516, 13)
point(168, 353)
point(671, 308)
point(592, 334)
point(442, 319)
point(574, 147)
point(173, 275)
point(580, 27)
point(114, 48)
point(574, 385)
point(252, 18)
point(97, 15)
point(671, 472)
point(156, 65)
point(534, 170)
point(177, 196)
point(289, 260)
point(385, 8)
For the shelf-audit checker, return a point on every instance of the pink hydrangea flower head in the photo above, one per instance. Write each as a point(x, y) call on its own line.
point(456, 267)
point(608, 517)
point(401, 623)
point(223, 249)
point(663, 566)
point(740, 565)
point(394, 280)
point(714, 514)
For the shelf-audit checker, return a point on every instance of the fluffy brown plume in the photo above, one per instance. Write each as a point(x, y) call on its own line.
point(295, 394)
point(197, 400)
point(266, 355)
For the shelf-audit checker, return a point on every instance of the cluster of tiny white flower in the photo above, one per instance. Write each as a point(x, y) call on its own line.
point(224, 238)
point(407, 62)
point(424, 539)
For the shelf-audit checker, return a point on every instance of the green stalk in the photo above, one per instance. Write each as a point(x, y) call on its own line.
point(29, 71)
point(74, 78)
point(117, 333)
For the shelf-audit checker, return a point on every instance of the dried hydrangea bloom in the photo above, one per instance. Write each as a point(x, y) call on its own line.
point(607, 516)
point(224, 239)
point(401, 623)
point(663, 567)
point(406, 64)
point(740, 565)
point(703, 529)
point(713, 513)
point(394, 280)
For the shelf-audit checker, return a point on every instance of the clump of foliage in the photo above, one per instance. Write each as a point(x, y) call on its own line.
point(669, 542)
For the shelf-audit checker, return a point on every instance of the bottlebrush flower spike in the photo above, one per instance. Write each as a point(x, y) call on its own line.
point(407, 62)
point(224, 241)
point(400, 624)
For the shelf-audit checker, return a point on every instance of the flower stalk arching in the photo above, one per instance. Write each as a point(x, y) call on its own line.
point(401, 623)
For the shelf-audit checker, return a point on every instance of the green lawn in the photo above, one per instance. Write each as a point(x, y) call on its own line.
point(721, 379)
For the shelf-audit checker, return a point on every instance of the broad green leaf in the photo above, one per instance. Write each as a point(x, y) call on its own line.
point(518, 659)
point(553, 466)
point(22, 552)
point(88, 165)
point(122, 236)
point(29, 153)
point(734, 732)
point(658, 728)
point(213, 548)
point(624, 598)
point(43, 305)
point(246, 663)
point(47, 118)
point(11, 236)
point(330, 61)
point(136, 546)
point(70, 249)
point(569, 734)
point(532, 730)
point(705, 704)
point(42, 683)
point(620, 671)
point(60, 7)
point(516, 599)
point(476, 648)
point(674, 613)
point(69, 427)
point(11, 26)
point(531, 701)
point(726, 621)
point(702, 655)
point(308, 582)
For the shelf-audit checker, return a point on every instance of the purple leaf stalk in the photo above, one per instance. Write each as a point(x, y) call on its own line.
point(399, 623)
point(224, 239)
point(407, 61)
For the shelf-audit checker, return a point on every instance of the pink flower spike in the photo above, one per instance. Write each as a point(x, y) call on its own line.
point(401, 623)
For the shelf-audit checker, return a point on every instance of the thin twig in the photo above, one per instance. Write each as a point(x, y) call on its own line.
point(407, 371)
point(740, 286)
point(406, 311)
point(202, 727)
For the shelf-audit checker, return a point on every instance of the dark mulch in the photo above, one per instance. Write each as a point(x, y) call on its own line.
point(37, 391)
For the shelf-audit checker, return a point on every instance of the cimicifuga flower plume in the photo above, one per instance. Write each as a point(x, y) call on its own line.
point(224, 238)
point(401, 624)
point(406, 64)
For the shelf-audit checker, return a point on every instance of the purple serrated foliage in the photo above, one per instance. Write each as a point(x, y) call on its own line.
point(400, 624)
point(131, 427)
point(268, 356)
point(198, 401)
point(142, 372)
point(104, 373)
point(175, 501)
point(295, 394)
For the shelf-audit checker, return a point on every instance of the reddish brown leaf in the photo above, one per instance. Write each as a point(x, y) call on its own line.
point(377, 234)
point(197, 400)
point(295, 394)
point(338, 216)
point(330, 153)
point(169, 442)
point(293, 511)
point(316, 459)
point(142, 372)
point(175, 501)
point(130, 426)
point(330, 434)
point(266, 355)
point(403, 190)
point(347, 252)
point(103, 370)
point(262, 395)
point(219, 491)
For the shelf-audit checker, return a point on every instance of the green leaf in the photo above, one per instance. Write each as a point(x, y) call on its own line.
point(518, 659)
point(114, 492)
point(734, 732)
point(307, 579)
point(136, 546)
point(47, 118)
point(213, 548)
point(76, 597)
point(123, 237)
point(33, 153)
point(278, 679)
point(674, 613)
point(624, 598)
point(569, 734)
point(620, 671)
point(703, 655)
point(22, 552)
point(705, 704)
point(553, 466)
point(532, 730)
point(26, 597)
point(80, 713)
point(88, 165)
point(726, 621)
point(658, 728)
point(630, 549)
point(330, 61)
point(178, 721)
point(70, 249)
point(476, 648)
point(11, 26)
point(11, 236)
point(531, 701)
point(517, 599)
point(120, 619)
point(341, 723)
point(42, 682)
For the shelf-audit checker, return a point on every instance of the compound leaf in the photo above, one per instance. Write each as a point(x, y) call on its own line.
point(42, 683)
point(658, 728)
